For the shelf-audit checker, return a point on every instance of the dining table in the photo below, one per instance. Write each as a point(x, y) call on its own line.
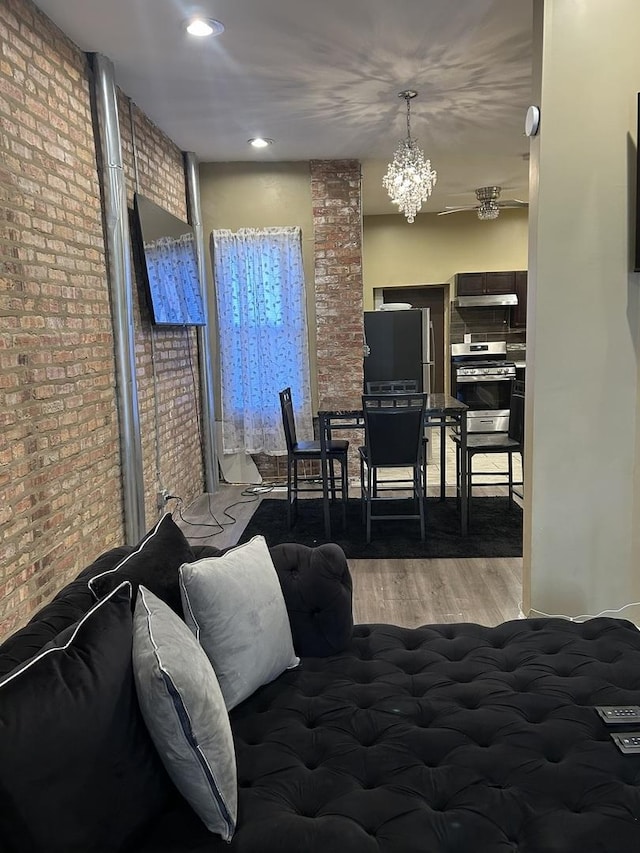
point(344, 412)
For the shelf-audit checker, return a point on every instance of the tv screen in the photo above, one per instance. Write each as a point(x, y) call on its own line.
point(170, 265)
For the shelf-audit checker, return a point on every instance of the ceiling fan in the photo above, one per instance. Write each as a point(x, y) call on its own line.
point(488, 206)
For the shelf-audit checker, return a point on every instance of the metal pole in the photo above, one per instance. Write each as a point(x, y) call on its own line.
point(204, 337)
point(120, 283)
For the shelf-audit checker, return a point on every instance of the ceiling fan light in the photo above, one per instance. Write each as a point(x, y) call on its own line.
point(488, 210)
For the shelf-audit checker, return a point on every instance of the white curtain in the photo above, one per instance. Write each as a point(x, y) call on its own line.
point(262, 319)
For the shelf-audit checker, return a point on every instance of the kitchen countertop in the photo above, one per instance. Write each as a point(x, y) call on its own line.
point(517, 353)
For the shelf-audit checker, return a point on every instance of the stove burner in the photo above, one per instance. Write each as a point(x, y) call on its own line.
point(481, 370)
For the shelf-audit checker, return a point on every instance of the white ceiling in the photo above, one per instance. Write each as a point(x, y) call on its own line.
point(322, 80)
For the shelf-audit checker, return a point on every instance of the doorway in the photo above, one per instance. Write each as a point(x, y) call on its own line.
point(433, 297)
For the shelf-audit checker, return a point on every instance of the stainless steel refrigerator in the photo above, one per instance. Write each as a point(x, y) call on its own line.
point(398, 345)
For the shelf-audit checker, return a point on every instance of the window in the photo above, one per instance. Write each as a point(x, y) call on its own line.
point(262, 321)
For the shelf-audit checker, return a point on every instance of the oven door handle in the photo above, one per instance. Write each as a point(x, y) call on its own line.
point(462, 380)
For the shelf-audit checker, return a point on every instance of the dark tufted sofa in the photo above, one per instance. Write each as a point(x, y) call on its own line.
point(450, 738)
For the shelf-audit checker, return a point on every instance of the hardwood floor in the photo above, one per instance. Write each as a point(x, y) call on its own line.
point(403, 592)
point(419, 592)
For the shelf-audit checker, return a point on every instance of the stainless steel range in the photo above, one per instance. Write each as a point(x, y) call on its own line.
point(482, 378)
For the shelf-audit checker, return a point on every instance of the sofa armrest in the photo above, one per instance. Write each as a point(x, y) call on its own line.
point(67, 606)
point(318, 591)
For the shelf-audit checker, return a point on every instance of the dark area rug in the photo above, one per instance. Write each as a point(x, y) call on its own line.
point(495, 529)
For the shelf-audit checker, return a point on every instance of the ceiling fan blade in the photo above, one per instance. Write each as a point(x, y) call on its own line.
point(513, 203)
point(457, 209)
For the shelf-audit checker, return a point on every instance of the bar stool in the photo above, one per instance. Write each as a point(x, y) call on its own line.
point(510, 442)
point(306, 451)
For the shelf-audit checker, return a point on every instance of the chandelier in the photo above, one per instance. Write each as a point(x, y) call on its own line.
point(409, 179)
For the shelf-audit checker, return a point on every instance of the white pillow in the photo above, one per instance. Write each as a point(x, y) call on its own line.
point(235, 607)
point(185, 713)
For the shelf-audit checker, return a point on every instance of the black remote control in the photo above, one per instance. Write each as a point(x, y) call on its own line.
point(616, 715)
point(627, 742)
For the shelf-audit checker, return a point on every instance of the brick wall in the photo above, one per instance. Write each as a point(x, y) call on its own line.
point(59, 436)
point(337, 220)
point(59, 446)
point(166, 358)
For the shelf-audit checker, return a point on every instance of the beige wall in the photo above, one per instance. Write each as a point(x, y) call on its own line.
point(434, 248)
point(582, 545)
point(429, 251)
point(261, 195)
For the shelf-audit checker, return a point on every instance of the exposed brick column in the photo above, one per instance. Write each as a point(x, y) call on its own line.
point(337, 219)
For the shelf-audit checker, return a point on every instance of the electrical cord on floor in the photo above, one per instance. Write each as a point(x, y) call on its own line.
point(215, 526)
point(219, 526)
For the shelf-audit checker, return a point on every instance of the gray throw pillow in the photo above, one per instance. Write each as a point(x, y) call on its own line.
point(185, 713)
point(235, 607)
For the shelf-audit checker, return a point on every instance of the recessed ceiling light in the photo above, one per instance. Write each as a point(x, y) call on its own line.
point(203, 27)
point(260, 142)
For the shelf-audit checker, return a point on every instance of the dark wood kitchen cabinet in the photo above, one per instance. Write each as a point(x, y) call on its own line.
point(519, 313)
point(470, 284)
point(480, 283)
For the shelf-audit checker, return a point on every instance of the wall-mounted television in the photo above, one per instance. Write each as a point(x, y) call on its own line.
point(170, 265)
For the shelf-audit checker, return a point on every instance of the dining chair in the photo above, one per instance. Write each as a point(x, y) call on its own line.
point(392, 386)
point(496, 442)
point(400, 386)
point(306, 451)
point(393, 438)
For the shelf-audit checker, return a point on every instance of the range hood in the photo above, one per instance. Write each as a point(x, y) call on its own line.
point(487, 300)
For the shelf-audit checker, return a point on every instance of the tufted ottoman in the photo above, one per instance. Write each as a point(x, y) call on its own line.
point(440, 739)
